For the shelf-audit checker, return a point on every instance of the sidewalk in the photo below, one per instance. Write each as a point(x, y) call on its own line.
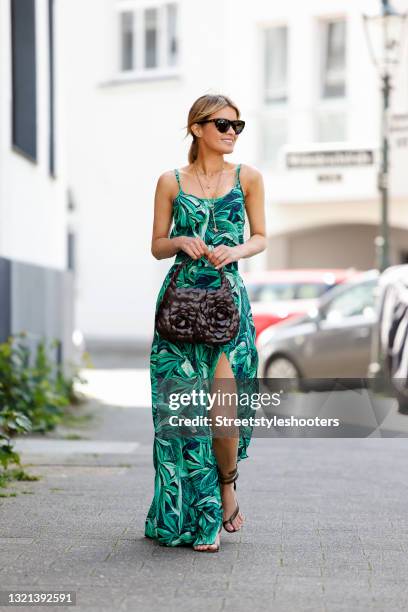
point(326, 525)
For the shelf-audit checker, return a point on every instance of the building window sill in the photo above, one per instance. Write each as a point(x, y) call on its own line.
point(125, 78)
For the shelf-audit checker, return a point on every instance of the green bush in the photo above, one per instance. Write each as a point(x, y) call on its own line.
point(33, 392)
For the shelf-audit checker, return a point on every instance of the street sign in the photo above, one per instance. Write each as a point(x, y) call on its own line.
point(321, 159)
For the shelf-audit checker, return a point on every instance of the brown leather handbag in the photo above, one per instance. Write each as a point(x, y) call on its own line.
point(197, 315)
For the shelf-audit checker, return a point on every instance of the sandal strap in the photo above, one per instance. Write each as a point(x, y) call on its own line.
point(227, 479)
point(231, 518)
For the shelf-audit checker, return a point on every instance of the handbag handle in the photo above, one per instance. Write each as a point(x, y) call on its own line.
point(183, 264)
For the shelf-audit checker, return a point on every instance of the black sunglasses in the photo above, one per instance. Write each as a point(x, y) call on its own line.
point(223, 125)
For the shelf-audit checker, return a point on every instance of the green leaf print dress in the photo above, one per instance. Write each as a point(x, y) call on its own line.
point(186, 508)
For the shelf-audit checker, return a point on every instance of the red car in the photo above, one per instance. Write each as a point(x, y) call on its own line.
point(276, 295)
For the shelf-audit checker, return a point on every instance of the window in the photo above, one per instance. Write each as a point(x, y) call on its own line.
point(171, 34)
point(127, 48)
point(148, 39)
point(333, 59)
point(151, 38)
point(271, 292)
point(357, 301)
point(51, 90)
point(24, 79)
point(276, 64)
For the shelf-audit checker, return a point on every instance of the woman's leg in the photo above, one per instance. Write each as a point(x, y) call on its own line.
point(225, 441)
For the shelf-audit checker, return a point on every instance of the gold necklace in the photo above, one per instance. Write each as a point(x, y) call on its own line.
point(207, 178)
point(211, 206)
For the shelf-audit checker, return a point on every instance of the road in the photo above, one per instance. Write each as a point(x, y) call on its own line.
point(326, 520)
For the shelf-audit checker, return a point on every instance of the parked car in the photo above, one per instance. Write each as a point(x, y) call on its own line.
point(389, 347)
point(331, 341)
point(276, 295)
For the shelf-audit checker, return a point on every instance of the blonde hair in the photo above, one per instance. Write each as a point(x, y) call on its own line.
point(203, 108)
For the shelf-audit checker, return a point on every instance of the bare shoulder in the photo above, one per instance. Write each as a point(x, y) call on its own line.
point(251, 178)
point(167, 178)
point(167, 183)
point(251, 173)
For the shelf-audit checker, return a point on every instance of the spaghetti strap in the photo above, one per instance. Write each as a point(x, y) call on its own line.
point(238, 168)
point(176, 172)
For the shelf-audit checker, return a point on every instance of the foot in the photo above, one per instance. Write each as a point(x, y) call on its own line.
point(229, 503)
point(209, 546)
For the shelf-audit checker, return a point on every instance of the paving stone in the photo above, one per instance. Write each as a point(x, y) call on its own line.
point(326, 530)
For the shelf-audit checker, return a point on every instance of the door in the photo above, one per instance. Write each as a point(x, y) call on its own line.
point(340, 347)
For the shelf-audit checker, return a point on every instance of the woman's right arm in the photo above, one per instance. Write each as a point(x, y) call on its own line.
point(162, 246)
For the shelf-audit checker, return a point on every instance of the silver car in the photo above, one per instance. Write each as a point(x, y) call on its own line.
point(331, 341)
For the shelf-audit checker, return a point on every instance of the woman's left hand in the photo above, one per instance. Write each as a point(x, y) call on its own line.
point(223, 254)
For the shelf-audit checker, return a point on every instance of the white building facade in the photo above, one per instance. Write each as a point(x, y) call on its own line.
point(36, 285)
point(302, 77)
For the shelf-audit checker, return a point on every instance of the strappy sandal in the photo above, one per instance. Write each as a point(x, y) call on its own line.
point(208, 550)
point(232, 477)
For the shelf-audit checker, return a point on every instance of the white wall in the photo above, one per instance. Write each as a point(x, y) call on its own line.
point(32, 204)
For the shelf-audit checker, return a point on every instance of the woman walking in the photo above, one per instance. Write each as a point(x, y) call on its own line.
point(194, 487)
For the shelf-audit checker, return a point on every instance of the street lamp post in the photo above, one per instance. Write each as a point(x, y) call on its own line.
point(384, 34)
point(383, 173)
